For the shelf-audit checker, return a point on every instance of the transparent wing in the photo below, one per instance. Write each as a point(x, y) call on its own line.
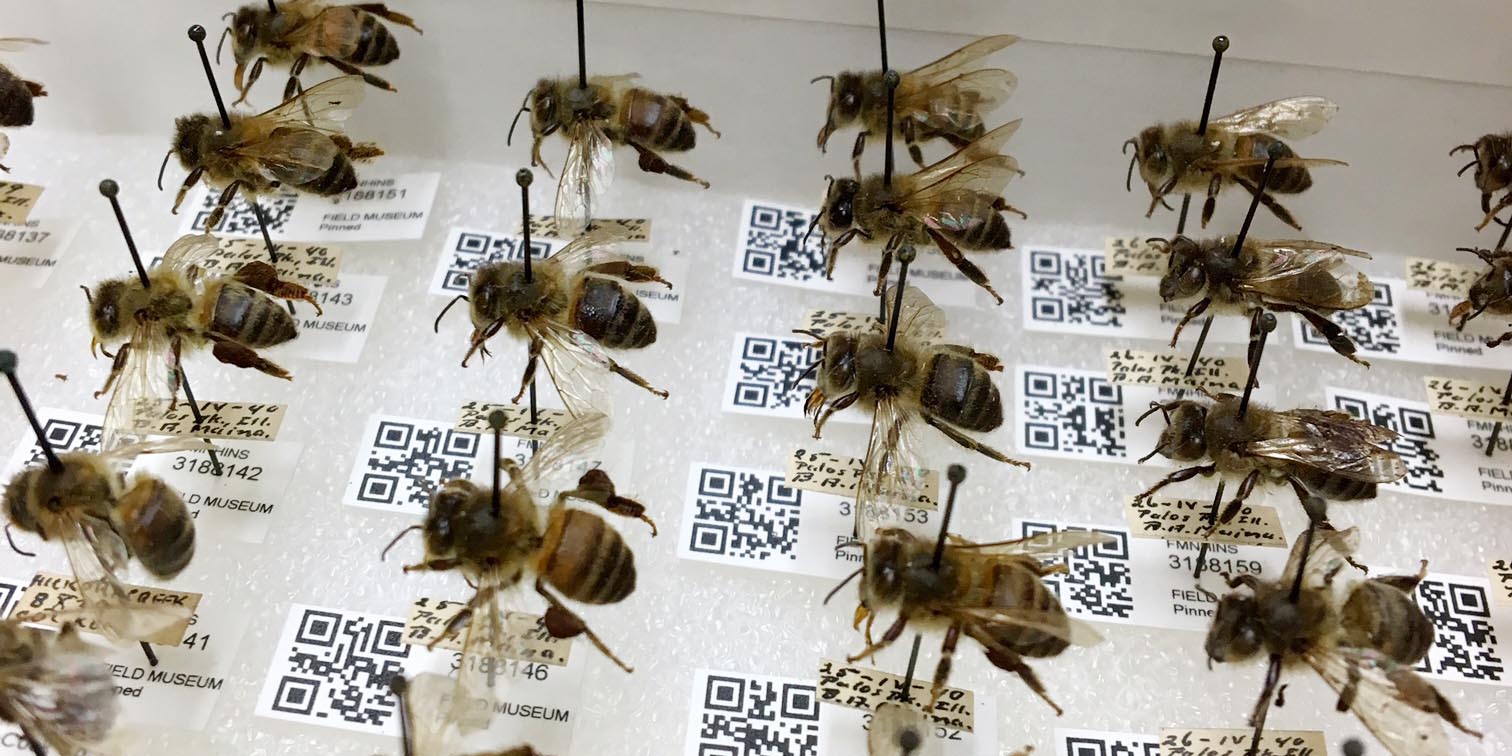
point(920, 322)
point(1056, 624)
point(188, 251)
point(65, 696)
point(1291, 118)
point(957, 105)
point(587, 173)
point(578, 368)
point(1331, 550)
point(986, 146)
point(891, 473)
point(291, 154)
point(98, 556)
point(592, 248)
point(1333, 441)
point(479, 682)
point(427, 705)
point(946, 66)
point(323, 107)
point(1381, 702)
point(1307, 272)
point(1040, 544)
point(170, 445)
point(899, 729)
point(572, 442)
point(954, 204)
point(4, 146)
point(17, 44)
point(612, 81)
point(144, 380)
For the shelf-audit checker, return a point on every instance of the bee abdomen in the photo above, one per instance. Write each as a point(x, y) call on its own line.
point(1384, 618)
point(612, 315)
point(156, 526)
point(586, 559)
point(1337, 487)
point(340, 177)
point(375, 44)
point(250, 317)
point(987, 230)
point(1017, 587)
point(15, 100)
point(1285, 179)
point(656, 121)
point(960, 391)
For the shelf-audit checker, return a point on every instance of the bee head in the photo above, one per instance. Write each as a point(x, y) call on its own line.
point(545, 105)
point(17, 495)
point(1495, 285)
point(85, 482)
point(1153, 156)
point(837, 370)
point(1184, 437)
point(451, 516)
point(247, 25)
point(840, 204)
point(1186, 274)
point(189, 133)
point(112, 308)
point(846, 97)
point(887, 562)
point(1235, 632)
point(1493, 163)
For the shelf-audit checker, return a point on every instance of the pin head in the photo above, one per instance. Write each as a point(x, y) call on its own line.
point(398, 684)
point(1220, 43)
point(7, 361)
point(496, 420)
point(1276, 151)
point(1316, 508)
point(907, 254)
point(1267, 321)
point(1353, 747)
point(955, 473)
point(524, 177)
point(197, 33)
point(891, 79)
point(109, 188)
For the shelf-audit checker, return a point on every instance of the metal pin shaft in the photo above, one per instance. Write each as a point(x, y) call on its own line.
point(8, 362)
point(197, 34)
point(955, 474)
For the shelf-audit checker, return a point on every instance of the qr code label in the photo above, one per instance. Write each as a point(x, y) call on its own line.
point(1096, 743)
point(1071, 291)
point(736, 714)
point(468, 249)
point(744, 515)
point(1414, 442)
point(1376, 328)
point(66, 430)
point(10, 591)
point(402, 461)
point(332, 668)
point(1466, 646)
point(773, 247)
point(240, 219)
point(1073, 414)
point(1099, 582)
point(766, 377)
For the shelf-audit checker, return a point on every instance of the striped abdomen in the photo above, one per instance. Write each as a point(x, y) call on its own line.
point(971, 220)
point(959, 391)
point(1384, 618)
point(356, 36)
point(1016, 586)
point(156, 526)
point(585, 559)
point(1334, 487)
point(250, 317)
point(655, 121)
point(340, 177)
point(611, 314)
point(15, 99)
point(1285, 179)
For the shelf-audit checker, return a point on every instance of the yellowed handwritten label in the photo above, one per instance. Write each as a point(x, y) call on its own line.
point(630, 229)
point(1184, 742)
point(237, 421)
point(1501, 580)
point(525, 636)
point(308, 264)
point(1439, 276)
point(865, 689)
point(827, 322)
point(473, 418)
point(53, 599)
point(1473, 399)
point(17, 201)
point(838, 474)
point(1186, 520)
point(1134, 256)
point(1136, 367)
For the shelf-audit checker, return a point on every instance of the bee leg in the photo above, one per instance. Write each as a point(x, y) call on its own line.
point(970, 443)
point(224, 202)
point(1231, 510)
point(883, 267)
point(382, 11)
point(1502, 204)
point(534, 354)
point(1001, 205)
point(264, 277)
point(295, 70)
point(908, 129)
point(632, 377)
point(942, 669)
point(628, 271)
point(987, 361)
point(967, 268)
point(894, 631)
point(596, 486)
point(1499, 340)
point(1007, 660)
point(351, 70)
point(1186, 473)
point(694, 114)
point(1197, 308)
point(561, 622)
point(1262, 706)
point(252, 76)
point(434, 565)
point(856, 151)
point(1405, 583)
point(116, 366)
point(232, 353)
point(1211, 203)
point(189, 182)
point(1337, 339)
point(834, 251)
point(650, 162)
point(1269, 200)
point(836, 406)
point(32, 738)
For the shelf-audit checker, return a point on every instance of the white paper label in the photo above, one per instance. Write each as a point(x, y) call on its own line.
point(1210, 742)
point(771, 249)
point(29, 252)
point(1070, 742)
point(1470, 643)
point(240, 502)
point(1411, 325)
point(383, 207)
point(181, 691)
point(66, 430)
point(339, 333)
point(763, 378)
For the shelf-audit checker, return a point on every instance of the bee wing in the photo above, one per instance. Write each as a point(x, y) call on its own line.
point(578, 367)
point(946, 66)
point(920, 322)
point(479, 682)
point(592, 248)
point(1379, 700)
point(1333, 441)
point(324, 30)
point(17, 44)
point(1331, 550)
point(4, 146)
point(65, 696)
point(1291, 118)
point(570, 443)
point(129, 452)
point(891, 726)
point(986, 146)
point(425, 704)
point(98, 556)
point(1308, 272)
point(587, 173)
point(950, 204)
point(1039, 544)
point(323, 107)
point(144, 378)
point(291, 154)
point(189, 250)
point(891, 473)
point(1057, 624)
point(958, 104)
point(613, 80)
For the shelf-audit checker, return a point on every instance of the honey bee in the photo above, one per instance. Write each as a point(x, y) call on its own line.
point(900, 729)
point(609, 113)
point(298, 145)
point(495, 538)
point(16, 93)
point(935, 101)
point(1491, 292)
point(1493, 171)
point(422, 717)
point(1364, 647)
point(1173, 158)
point(991, 592)
point(1312, 279)
point(571, 307)
point(234, 315)
point(1322, 452)
point(55, 688)
point(952, 204)
point(948, 386)
point(349, 37)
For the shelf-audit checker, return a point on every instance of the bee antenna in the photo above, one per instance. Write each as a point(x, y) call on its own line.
point(163, 168)
point(1129, 177)
point(842, 584)
point(1152, 453)
point(436, 327)
point(222, 42)
point(12, 542)
point(1160, 241)
point(1153, 407)
point(808, 371)
point(810, 231)
point(818, 79)
point(402, 534)
point(524, 108)
point(88, 297)
point(1467, 167)
point(1462, 148)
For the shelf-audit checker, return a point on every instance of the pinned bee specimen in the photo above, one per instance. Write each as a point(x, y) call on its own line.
point(900, 729)
point(1493, 171)
point(297, 145)
point(16, 93)
point(180, 307)
point(1318, 452)
point(569, 307)
point(423, 726)
point(1312, 279)
point(939, 100)
point(495, 538)
point(1491, 292)
point(55, 688)
point(952, 205)
point(1363, 641)
point(608, 113)
point(349, 37)
point(1173, 158)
